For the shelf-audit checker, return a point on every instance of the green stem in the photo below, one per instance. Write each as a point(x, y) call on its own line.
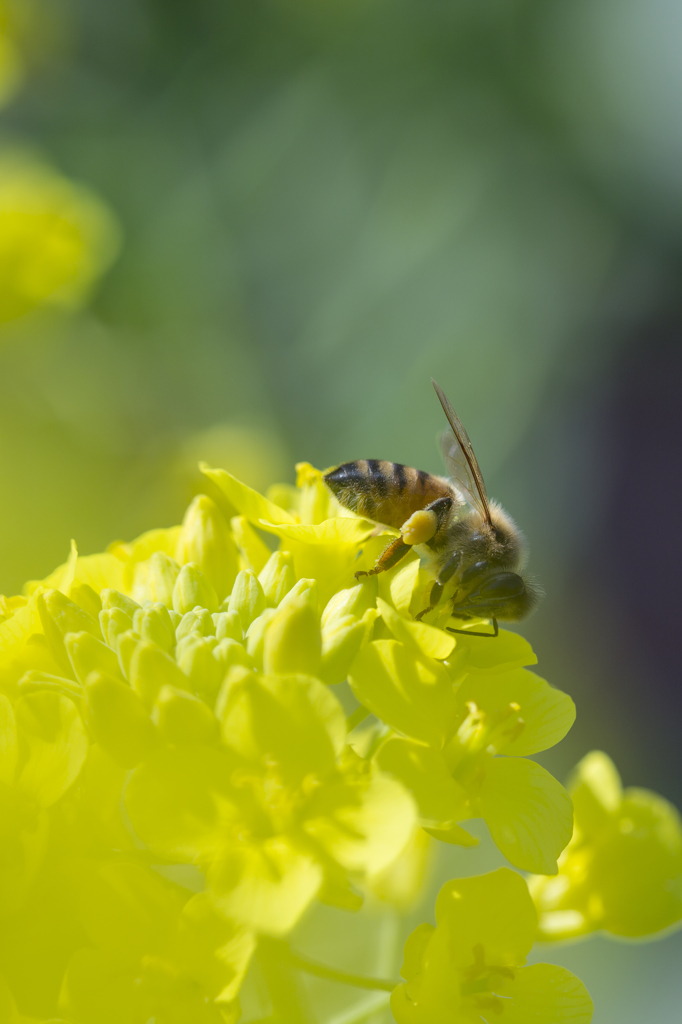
point(284, 989)
point(302, 963)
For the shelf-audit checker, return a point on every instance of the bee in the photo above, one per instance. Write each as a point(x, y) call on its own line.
point(471, 546)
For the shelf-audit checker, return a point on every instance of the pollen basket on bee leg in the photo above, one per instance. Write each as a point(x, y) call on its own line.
point(420, 527)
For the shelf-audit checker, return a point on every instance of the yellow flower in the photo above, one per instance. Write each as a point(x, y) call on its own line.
point(153, 950)
point(184, 713)
point(470, 967)
point(462, 748)
point(622, 871)
point(56, 238)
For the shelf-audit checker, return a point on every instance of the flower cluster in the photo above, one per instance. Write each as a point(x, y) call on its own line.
point(179, 779)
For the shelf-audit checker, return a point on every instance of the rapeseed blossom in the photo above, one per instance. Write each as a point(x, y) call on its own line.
point(622, 871)
point(181, 778)
point(471, 966)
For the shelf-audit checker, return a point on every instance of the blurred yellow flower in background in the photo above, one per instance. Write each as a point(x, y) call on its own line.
point(472, 966)
point(56, 237)
point(622, 871)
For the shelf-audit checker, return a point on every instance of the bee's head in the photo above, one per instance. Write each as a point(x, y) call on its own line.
point(502, 595)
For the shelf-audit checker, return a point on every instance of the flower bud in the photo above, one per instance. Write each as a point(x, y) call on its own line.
point(247, 598)
point(59, 616)
point(118, 720)
point(115, 599)
point(206, 541)
point(154, 624)
point(155, 578)
point(354, 601)
point(341, 642)
point(293, 641)
point(236, 677)
point(126, 643)
point(183, 718)
point(228, 625)
point(192, 589)
point(89, 655)
point(230, 652)
point(304, 588)
point(194, 656)
point(255, 635)
point(113, 622)
point(199, 621)
point(277, 577)
point(150, 669)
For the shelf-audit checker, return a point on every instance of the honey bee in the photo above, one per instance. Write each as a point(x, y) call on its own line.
point(471, 545)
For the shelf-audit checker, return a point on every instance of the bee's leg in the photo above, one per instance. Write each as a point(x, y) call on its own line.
point(425, 524)
point(470, 632)
point(420, 528)
point(389, 557)
point(436, 592)
point(444, 575)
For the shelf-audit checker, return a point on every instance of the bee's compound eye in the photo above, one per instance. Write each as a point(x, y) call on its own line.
point(504, 586)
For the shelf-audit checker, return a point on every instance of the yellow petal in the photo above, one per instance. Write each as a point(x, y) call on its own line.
point(596, 791)
point(422, 770)
point(53, 733)
point(547, 713)
point(500, 654)
point(432, 642)
point(244, 499)
point(493, 911)
point(266, 887)
point(402, 582)
point(635, 877)
point(182, 802)
point(139, 550)
point(455, 835)
point(528, 812)
point(254, 551)
point(368, 829)
point(407, 691)
point(545, 994)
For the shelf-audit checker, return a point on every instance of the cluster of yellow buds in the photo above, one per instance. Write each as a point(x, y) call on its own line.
point(184, 771)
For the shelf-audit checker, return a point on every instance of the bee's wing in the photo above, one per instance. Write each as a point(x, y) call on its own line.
point(461, 463)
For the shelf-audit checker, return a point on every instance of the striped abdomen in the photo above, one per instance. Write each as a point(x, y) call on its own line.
point(386, 492)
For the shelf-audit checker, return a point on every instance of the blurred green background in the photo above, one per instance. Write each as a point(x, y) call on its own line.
point(318, 205)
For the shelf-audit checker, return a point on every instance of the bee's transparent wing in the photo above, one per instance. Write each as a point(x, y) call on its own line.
point(460, 461)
